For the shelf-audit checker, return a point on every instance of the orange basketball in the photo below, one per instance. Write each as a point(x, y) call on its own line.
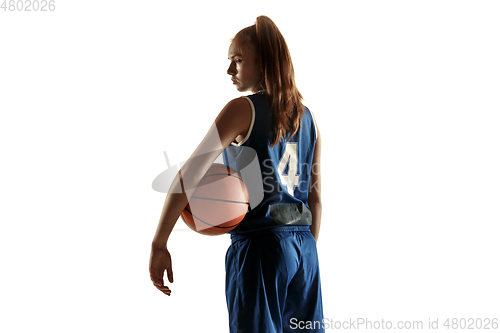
point(219, 202)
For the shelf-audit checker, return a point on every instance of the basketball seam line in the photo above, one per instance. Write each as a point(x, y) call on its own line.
point(223, 174)
point(237, 202)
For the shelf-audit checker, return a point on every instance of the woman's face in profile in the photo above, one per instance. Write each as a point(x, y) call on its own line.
point(243, 68)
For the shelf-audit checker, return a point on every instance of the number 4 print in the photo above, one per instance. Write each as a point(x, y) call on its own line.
point(290, 180)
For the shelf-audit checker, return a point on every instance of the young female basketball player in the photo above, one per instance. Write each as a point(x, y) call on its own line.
point(272, 270)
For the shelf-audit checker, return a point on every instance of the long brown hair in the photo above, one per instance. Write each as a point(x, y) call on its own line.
point(278, 77)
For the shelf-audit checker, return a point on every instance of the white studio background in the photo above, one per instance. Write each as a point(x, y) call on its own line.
point(406, 97)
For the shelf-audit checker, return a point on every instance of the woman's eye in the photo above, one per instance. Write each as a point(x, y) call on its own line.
point(238, 61)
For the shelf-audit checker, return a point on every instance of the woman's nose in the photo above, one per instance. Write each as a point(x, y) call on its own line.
point(232, 69)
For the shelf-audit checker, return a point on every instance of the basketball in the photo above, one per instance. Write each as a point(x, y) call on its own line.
point(218, 204)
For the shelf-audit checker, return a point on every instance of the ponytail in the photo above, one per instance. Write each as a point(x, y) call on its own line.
point(278, 77)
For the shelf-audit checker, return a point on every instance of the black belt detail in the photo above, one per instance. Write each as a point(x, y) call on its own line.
point(290, 214)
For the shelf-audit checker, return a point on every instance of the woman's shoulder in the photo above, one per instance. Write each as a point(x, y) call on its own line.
point(237, 117)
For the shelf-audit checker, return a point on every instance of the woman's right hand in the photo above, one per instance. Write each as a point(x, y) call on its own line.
point(159, 261)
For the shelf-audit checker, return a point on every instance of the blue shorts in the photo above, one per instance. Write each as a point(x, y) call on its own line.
point(273, 282)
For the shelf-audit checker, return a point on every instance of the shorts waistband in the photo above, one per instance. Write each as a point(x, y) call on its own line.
point(282, 228)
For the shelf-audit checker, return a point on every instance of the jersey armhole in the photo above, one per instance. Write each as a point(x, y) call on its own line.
point(251, 124)
point(315, 127)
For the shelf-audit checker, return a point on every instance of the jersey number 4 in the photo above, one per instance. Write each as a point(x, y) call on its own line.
point(292, 178)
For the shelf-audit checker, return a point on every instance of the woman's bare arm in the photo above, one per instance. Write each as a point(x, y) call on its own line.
point(232, 121)
point(314, 199)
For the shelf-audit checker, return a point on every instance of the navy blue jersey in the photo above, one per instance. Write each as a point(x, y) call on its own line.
point(279, 190)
